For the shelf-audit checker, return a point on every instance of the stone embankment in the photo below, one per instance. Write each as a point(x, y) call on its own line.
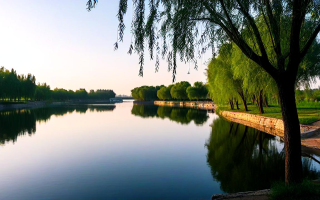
point(269, 125)
point(251, 195)
point(207, 105)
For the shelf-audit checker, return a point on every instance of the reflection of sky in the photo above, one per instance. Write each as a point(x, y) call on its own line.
point(108, 155)
point(279, 144)
point(315, 164)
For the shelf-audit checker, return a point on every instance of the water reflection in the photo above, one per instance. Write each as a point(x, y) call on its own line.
point(245, 159)
point(20, 122)
point(179, 115)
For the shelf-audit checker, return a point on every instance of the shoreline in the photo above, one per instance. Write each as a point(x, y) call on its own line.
point(29, 105)
point(206, 105)
point(40, 104)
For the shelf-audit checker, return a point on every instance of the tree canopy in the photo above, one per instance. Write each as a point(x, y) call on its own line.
point(179, 90)
point(197, 91)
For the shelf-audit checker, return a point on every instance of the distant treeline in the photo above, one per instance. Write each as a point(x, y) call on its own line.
point(308, 95)
point(179, 91)
point(23, 87)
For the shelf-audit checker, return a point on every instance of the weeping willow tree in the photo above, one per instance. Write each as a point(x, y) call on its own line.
point(257, 82)
point(183, 29)
point(224, 86)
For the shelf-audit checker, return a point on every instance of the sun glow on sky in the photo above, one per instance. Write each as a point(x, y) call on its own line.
point(64, 45)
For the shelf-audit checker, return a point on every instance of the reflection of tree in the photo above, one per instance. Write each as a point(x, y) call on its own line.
point(20, 122)
point(179, 115)
point(245, 159)
point(144, 110)
point(15, 123)
point(198, 116)
point(164, 111)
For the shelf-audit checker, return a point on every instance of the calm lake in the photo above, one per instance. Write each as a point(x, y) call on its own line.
point(126, 151)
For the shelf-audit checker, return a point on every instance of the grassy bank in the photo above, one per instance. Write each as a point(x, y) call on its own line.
point(305, 191)
point(308, 111)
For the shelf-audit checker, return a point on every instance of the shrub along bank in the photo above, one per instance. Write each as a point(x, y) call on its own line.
point(178, 91)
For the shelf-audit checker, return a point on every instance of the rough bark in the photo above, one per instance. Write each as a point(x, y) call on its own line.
point(260, 102)
point(253, 99)
point(265, 101)
point(231, 104)
point(292, 138)
point(244, 101)
point(237, 104)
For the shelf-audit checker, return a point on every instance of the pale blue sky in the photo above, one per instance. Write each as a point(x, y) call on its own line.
point(67, 47)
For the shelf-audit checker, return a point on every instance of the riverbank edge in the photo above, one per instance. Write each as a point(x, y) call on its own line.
point(40, 104)
point(207, 105)
point(270, 125)
point(263, 194)
point(30, 105)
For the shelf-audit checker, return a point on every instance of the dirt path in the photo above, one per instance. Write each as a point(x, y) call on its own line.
point(313, 142)
point(317, 123)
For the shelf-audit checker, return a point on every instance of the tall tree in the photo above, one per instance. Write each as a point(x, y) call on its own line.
point(224, 20)
point(198, 91)
point(179, 90)
point(223, 85)
point(164, 93)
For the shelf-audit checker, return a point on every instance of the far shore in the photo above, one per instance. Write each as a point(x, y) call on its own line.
point(40, 104)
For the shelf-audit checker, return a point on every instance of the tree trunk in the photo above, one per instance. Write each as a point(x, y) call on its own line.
point(260, 101)
point(292, 138)
point(244, 101)
point(237, 104)
point(245, 105)
point(231, 104)
point(265, 101)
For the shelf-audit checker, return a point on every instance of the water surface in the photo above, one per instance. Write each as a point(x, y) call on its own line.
point(127, 151)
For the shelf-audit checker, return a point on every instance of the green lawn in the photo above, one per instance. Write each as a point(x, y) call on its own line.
point(308, 112)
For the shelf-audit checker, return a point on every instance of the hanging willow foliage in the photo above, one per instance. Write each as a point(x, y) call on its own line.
point(187, 29)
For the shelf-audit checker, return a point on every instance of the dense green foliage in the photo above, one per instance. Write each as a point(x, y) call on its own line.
point(178, 91)
point(308, 95)
point(233, 78)
point(18, 87)
point(164, 93)
point(197, 91)
point(305, 191)
point(14, 86)
point(145, 93)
